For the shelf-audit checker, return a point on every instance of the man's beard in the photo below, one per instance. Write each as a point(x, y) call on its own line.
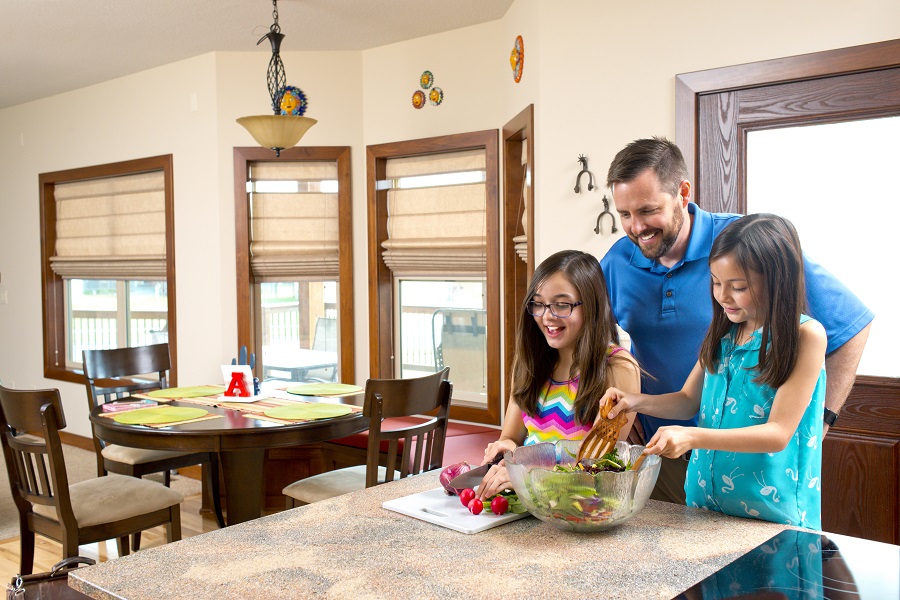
point(668, 238)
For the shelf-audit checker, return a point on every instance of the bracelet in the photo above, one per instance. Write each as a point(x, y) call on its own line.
point(830, 417)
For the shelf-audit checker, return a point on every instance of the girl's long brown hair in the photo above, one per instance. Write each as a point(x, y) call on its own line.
point(535, 359)
point(768, 245)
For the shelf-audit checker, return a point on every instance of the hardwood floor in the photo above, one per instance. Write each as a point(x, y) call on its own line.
point(47, 552)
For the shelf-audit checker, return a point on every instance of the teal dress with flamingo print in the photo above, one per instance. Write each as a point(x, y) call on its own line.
point(782, 487)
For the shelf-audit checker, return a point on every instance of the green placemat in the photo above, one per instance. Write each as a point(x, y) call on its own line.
point(308, 411)
point(159, 414)
point(324, 389)
point(187, 392)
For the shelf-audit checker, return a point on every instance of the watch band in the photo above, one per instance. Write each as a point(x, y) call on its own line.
point(830, 417)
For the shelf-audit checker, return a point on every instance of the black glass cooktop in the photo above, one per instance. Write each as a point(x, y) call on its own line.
point(804, 565)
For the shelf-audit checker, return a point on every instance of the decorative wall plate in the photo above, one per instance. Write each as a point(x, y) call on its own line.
point(426, 80)
point(418, 99)
point(436, 96)
point(517, 58)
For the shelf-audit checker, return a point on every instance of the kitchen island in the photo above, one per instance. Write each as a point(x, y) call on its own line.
point(352, 547)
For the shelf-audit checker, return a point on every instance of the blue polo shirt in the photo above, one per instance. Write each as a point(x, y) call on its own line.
point(667, 311)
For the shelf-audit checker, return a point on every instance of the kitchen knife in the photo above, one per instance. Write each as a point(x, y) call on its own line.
point(473, 477)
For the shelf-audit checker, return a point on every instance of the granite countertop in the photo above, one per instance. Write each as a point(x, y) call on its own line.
point(352, 547)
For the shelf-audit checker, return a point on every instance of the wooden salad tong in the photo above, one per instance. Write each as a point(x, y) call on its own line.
point(603, 436)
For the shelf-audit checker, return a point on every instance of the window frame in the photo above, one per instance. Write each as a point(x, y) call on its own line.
point(246, 283)
point(53, 295)
point(381, 279)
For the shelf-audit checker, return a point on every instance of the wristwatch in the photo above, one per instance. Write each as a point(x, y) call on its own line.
point(830, 417)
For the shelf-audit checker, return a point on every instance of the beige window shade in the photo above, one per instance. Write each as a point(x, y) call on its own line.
point(436, 229)
point(111, 228)
point(294, 235)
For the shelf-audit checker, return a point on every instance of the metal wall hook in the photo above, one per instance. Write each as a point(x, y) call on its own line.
point(606, 211)
point(584, 169)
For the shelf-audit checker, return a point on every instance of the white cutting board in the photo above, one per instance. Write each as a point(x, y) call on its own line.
point(437, 507)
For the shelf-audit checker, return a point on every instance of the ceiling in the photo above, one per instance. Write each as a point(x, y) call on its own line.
point(52, 46)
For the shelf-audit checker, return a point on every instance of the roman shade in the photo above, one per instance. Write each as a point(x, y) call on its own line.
point(111, 228)
point(436, 228)
point(294, 234)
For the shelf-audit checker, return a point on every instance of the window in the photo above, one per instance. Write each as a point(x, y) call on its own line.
point(434, 266)
point(108, 260)
point(294, 266)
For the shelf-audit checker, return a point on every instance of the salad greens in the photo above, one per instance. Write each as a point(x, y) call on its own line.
point(608, 462)
point(515, 506)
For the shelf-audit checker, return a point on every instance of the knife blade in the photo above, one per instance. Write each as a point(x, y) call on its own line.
point(472, 477)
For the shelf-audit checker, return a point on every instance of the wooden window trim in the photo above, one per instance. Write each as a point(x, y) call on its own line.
point(722, 155)
point(244, 278)
point(381, 312)
point(53, 286)
point(515, 278)
point(715, 110)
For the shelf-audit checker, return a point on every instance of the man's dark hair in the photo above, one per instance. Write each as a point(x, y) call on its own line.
point(655, 153)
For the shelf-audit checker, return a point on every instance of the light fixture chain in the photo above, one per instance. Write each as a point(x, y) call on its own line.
point(275, 27)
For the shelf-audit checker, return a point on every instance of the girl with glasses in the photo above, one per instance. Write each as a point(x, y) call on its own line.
point(567, 354)
point(759, 385)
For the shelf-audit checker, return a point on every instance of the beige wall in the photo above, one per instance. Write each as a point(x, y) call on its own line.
point(599, 73)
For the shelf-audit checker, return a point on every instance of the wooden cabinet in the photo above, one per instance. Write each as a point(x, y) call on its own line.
point(861, 464)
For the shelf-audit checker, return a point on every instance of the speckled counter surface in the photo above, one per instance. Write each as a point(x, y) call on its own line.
point(351, 547)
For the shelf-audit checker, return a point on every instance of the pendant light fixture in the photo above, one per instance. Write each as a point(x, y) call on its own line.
point(285, 128)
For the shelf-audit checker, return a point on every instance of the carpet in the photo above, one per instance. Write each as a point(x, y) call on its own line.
point(80, 466)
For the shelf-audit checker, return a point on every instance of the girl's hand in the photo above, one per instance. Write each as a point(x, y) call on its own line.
point(495, 481)
point(622, 401)
point(501, 446)
point(671, 441)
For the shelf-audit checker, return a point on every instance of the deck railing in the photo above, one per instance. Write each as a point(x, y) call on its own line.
point(98, 330)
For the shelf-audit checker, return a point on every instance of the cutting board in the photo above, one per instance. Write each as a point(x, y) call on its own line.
point(437, 507)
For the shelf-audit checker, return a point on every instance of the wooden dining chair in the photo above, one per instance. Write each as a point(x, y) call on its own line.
point(110, 507)
point(114, 374)
point(391, 454)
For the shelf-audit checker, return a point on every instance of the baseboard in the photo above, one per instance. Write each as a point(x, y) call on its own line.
point(76, 440)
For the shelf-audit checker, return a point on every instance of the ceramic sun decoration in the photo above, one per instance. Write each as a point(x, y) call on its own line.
point(517, 59)
point(436, 96)
point(418, 99)
point(293, 101)
point(426, 79)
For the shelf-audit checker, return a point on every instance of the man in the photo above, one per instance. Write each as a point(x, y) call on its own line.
point(658, 280)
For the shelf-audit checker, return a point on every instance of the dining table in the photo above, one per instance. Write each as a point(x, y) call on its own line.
point(239, 432)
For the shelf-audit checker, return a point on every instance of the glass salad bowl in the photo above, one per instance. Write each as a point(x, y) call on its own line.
point(578, 500)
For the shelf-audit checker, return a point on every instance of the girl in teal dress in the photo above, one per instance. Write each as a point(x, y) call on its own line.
point(759, 385)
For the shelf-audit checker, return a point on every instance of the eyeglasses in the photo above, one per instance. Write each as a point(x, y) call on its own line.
point(560, 310)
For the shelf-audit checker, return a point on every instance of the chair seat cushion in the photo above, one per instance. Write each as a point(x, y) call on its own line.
point(331, 484)
point(137, 456)
point(113, 498)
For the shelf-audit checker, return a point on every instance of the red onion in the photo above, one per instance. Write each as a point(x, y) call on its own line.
point(449, 473)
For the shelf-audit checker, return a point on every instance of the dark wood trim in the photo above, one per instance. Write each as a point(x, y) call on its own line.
point(715, 111)
point(516, 273)
point(381, 317)
point(246, 317)
point(691, 86)
point(381, 291)
point(53, 286)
